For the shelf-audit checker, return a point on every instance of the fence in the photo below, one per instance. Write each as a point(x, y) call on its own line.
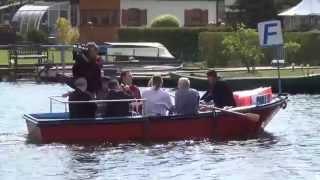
point(58, 54)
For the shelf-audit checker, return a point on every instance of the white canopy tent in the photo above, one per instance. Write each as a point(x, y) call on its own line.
point(304, 8)
point(303, 16)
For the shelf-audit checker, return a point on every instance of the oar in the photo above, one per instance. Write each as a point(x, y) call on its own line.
point(250, 116)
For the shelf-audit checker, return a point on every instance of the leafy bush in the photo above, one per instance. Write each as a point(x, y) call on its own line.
point(165, 21)
point(291, 50)
point(211, 48)
point(37, 36)
point(66, 33)
point(243, 45)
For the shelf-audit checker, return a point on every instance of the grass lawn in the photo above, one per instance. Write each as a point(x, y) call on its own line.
point(53, 54)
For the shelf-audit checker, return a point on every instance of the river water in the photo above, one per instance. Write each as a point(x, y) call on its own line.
point(289, 149)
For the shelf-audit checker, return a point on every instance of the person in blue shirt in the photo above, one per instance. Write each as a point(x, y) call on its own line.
point(186, 99)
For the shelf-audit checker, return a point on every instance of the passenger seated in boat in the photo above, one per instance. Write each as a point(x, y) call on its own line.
point(127, 85)
point(103, 91)
point(219, 91)
point(102, 95)
point(186, 99)
point(158, 102)
point(117, 108)
point(81, 110)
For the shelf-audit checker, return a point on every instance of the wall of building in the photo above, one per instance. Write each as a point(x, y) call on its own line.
point(98, 33)
point(159, 7)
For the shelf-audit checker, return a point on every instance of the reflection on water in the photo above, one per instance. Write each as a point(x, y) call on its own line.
point(289, 149)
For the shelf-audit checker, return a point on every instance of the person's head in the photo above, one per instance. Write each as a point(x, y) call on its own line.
point(126, 77)
point(81, 84)
point(157, 82)
point(184, 83)
point(105, 83)
point(114, 84)
point(93, 51)
point(212, 77)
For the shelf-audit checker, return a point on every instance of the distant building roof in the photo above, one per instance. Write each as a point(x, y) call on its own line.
point(304, 8)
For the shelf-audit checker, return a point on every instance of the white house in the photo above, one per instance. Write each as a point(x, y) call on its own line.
point(189, 12)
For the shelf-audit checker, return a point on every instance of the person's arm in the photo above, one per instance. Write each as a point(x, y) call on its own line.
point(206, 97)
point(138, 92)
point(198, 102)
point(168, 103)
point(66, 94)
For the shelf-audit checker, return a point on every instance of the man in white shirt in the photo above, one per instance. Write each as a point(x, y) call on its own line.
point(158, 102)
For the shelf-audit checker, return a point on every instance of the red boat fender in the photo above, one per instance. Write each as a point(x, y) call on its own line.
point(249, 97)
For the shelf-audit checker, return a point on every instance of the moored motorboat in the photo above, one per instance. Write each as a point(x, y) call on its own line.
point(215, 124)
point(293, 84)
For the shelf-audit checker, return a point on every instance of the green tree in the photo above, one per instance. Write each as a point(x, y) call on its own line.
point(243, 45)
point(291, 49)
point(251, 12)
point(166, 20)
point(66, 33)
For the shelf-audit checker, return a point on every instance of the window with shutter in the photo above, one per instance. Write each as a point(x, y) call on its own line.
point(134, 17)
point(187, 17)
point(100, 17)
point(196, 17)
point(205, 17)
point(143, 17)
point(124, 17)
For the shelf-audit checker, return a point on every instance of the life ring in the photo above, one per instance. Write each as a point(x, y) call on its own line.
point(284, 105)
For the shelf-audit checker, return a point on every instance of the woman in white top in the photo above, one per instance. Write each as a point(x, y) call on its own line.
point(158, 102)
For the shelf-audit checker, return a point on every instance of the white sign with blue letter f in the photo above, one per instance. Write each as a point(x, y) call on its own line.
point(270, 33)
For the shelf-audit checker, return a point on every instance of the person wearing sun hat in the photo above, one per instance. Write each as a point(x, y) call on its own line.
point(218, 91)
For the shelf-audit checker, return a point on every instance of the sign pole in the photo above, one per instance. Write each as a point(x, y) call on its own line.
point(270, 35)
point(279, 55)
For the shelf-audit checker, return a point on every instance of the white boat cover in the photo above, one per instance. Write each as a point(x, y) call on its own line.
point(304, 8)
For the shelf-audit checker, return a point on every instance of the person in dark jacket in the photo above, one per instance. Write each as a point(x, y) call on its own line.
point(117, 108)
point(81, 110)
point(219, 91)
point(86, 66)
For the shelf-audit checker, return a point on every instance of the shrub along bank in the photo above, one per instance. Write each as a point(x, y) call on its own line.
point(181, 42)
point(205, 44)
point(211, 49)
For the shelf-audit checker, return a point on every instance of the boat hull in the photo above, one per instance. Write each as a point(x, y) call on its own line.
point(307, 84)
point(218, 125)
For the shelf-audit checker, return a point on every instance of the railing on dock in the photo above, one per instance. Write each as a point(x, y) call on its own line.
point(135, 103)
point(57, 54)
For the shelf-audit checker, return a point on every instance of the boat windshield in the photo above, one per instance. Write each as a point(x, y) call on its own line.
point(134, 51)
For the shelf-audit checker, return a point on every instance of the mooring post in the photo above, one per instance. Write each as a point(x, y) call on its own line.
point(279, 54)
point(62, 51)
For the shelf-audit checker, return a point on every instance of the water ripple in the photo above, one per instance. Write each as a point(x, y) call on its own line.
point(289, 149)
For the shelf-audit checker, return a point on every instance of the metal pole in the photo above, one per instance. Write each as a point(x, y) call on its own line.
point(278, 56)
point(217, 11)
point(63, 59)
point(50, 105)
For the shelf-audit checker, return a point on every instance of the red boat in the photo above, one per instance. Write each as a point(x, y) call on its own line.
point(217, 124)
